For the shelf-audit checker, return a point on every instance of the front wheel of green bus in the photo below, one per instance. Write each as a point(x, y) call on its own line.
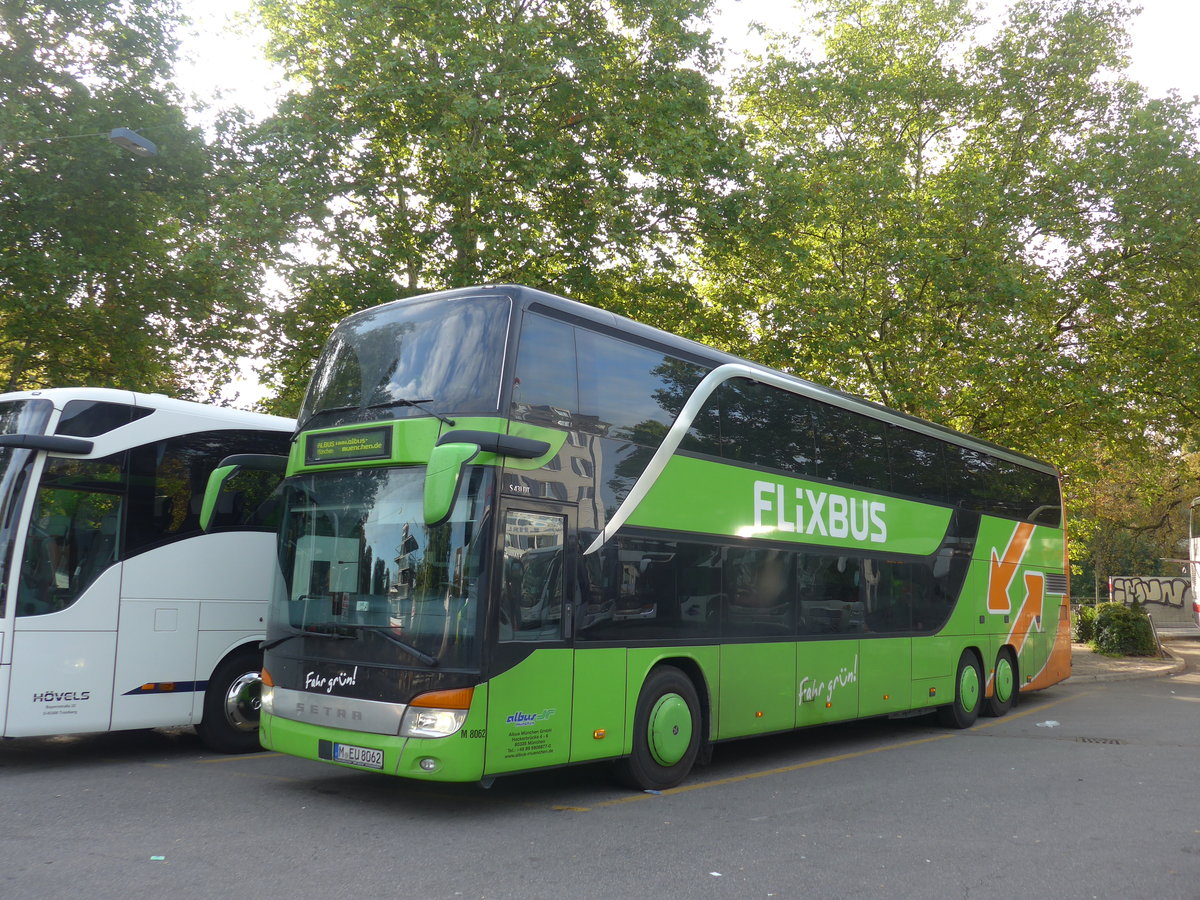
point(666, 732)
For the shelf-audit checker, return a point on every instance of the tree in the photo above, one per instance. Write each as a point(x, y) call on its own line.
point(114, 270)
point(565, 144)
point(998, 233)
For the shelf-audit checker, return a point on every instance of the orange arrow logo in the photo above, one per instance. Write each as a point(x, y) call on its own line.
point(1004, 569)
point(1030, 617)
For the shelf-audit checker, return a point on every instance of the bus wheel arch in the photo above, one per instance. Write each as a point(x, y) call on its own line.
point(964, 709)
point(232, 701)
point(669, 727)
point(1006, 684)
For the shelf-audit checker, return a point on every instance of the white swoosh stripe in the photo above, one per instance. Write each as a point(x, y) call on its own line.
point(679, 429)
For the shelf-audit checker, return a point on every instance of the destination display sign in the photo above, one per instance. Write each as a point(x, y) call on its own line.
point(348, 446)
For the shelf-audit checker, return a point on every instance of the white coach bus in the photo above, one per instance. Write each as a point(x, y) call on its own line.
point(1193, 559)
point(116, 610)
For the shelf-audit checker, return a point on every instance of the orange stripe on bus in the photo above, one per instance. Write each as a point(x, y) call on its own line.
point(1004, 569)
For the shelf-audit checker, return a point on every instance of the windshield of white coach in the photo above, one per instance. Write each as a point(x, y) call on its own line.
point(446, 353)
point(16, 417)
point(366, 581)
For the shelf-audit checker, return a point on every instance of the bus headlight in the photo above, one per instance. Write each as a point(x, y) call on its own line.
point(267, 697)
point(436, 714)
point(432, 723)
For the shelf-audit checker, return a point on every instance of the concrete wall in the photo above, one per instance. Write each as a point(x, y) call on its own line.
point(1168, 600)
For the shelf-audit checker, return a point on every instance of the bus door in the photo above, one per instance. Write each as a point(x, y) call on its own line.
point(68, 583)
point(529, 692)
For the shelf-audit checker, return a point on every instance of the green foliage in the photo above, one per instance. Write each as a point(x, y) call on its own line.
point(564, 145)
point(114, 270)
point(1084, 624)
point(1121, 630)
point(991, 229)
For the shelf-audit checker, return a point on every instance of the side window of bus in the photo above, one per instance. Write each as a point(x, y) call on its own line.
point(633, 392)
point(921, 465)
point(531, 597)
point(655, 589)
point(546, 386)
point(74, 533)
point(164, 502)
point(90, 418)
point(760, 589)
point(832, 591)
point(767, 426)
point(890, 595)
point(851, 448)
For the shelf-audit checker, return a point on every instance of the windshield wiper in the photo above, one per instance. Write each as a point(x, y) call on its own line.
point(320, 412)
point(385, 404)
point(414, 404)
point(385, 631)
point(304, 632)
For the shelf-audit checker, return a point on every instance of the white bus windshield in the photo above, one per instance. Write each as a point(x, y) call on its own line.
point(16, 417)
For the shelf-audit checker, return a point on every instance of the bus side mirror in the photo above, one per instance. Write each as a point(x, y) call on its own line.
point(454, 450)
point(442, 478)
point(230, 466)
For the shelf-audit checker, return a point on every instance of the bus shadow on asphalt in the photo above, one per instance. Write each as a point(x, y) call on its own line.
point(583, 787)
point(150, 745)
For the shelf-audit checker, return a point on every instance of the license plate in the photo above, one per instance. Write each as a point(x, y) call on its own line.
point(358, 756)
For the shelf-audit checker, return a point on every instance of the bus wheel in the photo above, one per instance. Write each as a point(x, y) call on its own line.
point(231, 704)
point(968, 691)
point(1004, 685)
point(666, 732)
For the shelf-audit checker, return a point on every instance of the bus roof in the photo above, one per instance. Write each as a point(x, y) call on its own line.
point(61, 396)
point(685, 348)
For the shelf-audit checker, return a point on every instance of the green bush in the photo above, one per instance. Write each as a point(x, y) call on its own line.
point(1121, 630)
point(1084, 624)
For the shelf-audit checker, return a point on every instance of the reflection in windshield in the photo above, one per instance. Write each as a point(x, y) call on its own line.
point(16, 417)
point(412, 351)
point(359, 561)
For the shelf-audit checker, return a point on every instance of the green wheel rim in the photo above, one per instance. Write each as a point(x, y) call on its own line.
point(670, 729)
point(968, 688)
point(1003, 687)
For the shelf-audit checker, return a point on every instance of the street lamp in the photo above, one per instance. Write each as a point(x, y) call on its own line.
point(133, 142)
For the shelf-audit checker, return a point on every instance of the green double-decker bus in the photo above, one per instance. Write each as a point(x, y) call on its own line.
point(520, 532)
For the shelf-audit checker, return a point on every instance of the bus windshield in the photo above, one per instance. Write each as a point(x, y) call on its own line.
point(16, 417)
point(366, 581)
point(391, 357)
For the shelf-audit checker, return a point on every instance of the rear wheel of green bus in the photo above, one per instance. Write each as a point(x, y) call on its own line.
point(1004, 685)
point(666, 732)
point(968, 694)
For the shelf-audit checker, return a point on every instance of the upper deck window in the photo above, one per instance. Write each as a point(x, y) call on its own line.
point(574, 378)
point(448, 352)
point(90, 418)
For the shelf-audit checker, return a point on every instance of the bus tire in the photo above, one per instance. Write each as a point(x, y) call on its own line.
point(968, 694)
point(1004, 685)
point(666, 732)
point(231, 704)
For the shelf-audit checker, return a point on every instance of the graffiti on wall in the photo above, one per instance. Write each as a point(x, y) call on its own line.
point(1149, 590)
